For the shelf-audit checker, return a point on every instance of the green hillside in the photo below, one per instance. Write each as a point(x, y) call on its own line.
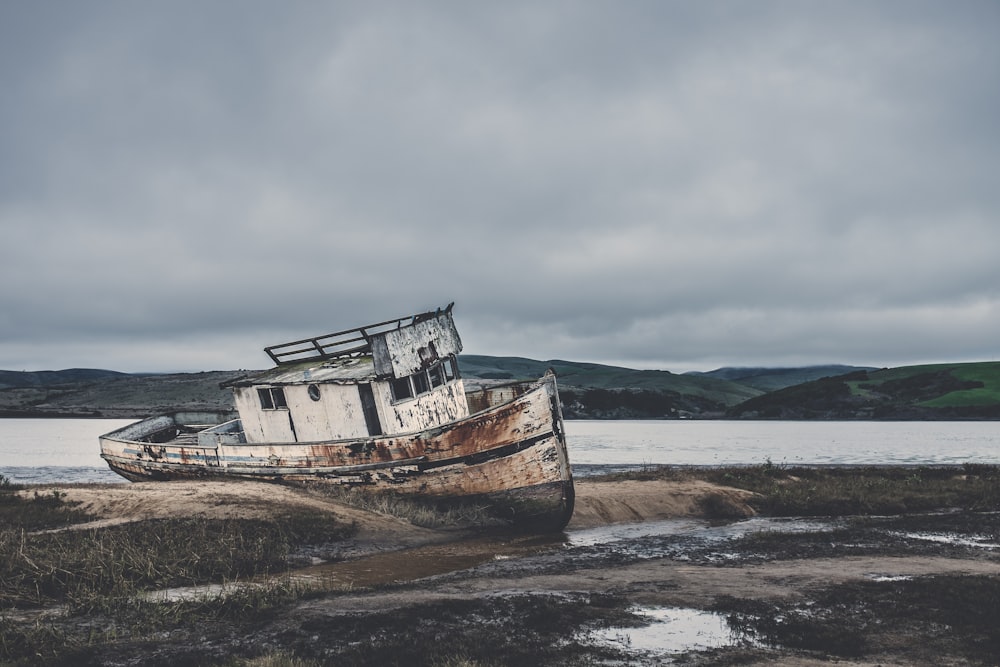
point(772, 379)
point(691, 393)
point(927, 392)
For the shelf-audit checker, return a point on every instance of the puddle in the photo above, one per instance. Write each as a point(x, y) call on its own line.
point(700, 529)
point(672, 630)
point(423, 562)
point(978, 541)
point(194, 593)
point(889, 577)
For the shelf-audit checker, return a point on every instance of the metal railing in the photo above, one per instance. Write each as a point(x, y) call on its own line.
point(350, 342)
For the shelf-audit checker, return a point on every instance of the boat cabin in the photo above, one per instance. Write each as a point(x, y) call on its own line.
point(397, 376)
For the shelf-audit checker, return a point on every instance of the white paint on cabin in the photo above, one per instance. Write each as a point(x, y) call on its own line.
point(442, 405)
point(337, 412)
point(409, 349)
point(335, 416)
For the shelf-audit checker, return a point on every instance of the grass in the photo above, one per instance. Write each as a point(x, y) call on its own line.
point(100, 576)
point(38, 512)
point(834, 491)
point(986, 372)
point(988, 394)
point(94, 569)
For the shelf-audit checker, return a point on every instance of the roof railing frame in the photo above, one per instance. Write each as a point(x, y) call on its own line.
point(346, 343)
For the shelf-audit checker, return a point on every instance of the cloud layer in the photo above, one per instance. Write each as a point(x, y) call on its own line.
point(658, 184)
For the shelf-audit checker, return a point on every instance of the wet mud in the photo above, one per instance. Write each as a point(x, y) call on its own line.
point(685, 591)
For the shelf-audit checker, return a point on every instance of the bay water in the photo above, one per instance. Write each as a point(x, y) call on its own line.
point(67, 450)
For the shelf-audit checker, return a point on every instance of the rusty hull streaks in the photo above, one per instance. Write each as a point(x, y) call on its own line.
point(514, 453)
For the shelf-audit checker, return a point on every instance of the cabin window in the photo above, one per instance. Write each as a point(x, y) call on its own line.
point(272, 398)
point(401, 389)
point(420, 383)
point(450, 369)
point(314, 392)
point(437, 375)
point(278, 394)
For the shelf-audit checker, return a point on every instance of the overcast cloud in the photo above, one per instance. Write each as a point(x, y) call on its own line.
point(673, 185)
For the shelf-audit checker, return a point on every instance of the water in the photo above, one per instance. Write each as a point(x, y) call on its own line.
point(55, 450)
point(714, 443)
point(670, 630)
point(66, 450)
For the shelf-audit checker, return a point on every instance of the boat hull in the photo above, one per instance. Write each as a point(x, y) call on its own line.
point(511, 456)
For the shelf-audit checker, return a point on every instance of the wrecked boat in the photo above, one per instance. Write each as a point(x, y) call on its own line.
point(381, 407)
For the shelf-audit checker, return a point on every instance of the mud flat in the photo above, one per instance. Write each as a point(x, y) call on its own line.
point(680, 570)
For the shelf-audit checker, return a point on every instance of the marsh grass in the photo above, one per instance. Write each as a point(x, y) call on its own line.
point(279, 659)
point(69, 640)
point(834, 491)
point(43, 509)
point(285, 659)
point(88, 568)
point(88, 586)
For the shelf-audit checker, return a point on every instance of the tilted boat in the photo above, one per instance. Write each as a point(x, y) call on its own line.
point(380, 407)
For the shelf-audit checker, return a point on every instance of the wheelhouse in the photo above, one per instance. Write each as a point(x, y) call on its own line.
point(398, 376)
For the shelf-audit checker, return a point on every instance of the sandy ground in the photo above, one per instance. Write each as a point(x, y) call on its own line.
point(597, 504)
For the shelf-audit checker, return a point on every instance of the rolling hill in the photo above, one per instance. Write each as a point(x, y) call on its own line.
point(927, 392)
point(601, 391)
point(21, 379)
point(772, 379)
point(588, 391)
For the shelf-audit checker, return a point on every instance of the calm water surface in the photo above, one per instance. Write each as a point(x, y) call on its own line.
point(66, 450)
point(782, 442)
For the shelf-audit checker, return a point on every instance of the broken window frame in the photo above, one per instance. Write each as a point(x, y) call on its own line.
point(272, 398)
point(411, 386)
point(402, 389)
point(436, 374)
point(450, 366)
point(421, 383)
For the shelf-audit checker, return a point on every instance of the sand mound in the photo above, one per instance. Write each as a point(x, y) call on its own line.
point(119, 503)
point(597, 503)
point(601, 503)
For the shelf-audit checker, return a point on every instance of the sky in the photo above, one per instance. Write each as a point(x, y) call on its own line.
point(653, 184)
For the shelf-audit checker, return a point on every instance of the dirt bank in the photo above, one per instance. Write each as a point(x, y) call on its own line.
point(597, 504)
point(603, 503)
point(118, 503)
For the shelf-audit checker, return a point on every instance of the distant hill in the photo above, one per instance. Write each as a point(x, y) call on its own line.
point(95, 393)
point(771, 379)
point(598, 391)
point(9, 379)
point(926, 392)
point(588, 391)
